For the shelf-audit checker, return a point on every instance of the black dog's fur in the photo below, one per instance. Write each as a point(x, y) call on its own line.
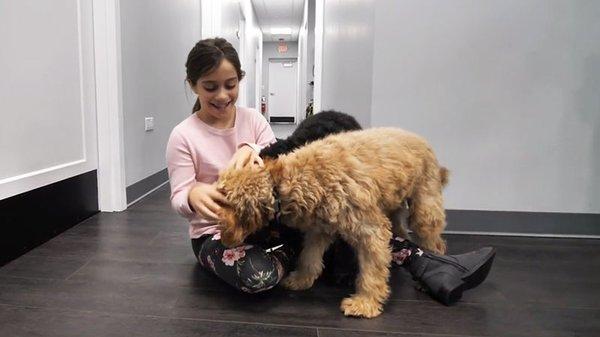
point(313, 128)
point(340, 262)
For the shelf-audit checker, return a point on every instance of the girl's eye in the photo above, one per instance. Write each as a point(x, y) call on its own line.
point(210, 88)
point(229, 87)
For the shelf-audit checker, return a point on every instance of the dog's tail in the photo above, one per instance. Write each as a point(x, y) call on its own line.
point(444, 174)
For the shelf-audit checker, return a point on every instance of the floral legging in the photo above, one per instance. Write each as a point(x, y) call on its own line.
point(249, 268)
point(252, 268)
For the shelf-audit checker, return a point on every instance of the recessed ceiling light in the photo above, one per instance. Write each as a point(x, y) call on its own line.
point(281, 31)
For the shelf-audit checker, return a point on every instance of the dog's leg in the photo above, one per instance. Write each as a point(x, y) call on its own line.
point(428, 218)
point(310, 261)
point(374, 258)
point(399, 220)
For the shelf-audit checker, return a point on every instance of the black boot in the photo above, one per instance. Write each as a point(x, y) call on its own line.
point(445, 277)
point(341, 266)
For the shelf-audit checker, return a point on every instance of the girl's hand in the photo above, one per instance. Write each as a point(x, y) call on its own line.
point(204, 198)
point(245, 155)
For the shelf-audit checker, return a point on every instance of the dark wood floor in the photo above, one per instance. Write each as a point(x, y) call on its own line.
point(134, 274)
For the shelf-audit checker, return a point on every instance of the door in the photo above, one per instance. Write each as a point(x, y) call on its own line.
point(283, 86)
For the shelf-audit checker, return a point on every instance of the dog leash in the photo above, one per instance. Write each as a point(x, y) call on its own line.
point(277, 210)
point(277, 207)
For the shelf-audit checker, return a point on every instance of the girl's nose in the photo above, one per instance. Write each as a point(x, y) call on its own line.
point(222, 94)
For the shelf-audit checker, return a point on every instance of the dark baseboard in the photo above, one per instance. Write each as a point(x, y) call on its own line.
point(536, 223)
point(29, 219)
point(282, 120)
point(146, 185)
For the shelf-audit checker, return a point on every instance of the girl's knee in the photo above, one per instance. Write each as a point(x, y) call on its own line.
point(248, 268)
point(259, 272)
point(258, 285)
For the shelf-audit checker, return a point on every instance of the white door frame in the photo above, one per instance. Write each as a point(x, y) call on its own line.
point(211, 18)
point(109, 106)
point(302, 64)
point(258, 74)
point(319, 25)
point(241, 34)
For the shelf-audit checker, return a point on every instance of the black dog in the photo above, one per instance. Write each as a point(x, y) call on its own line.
point(313, 128)
point(340, 262)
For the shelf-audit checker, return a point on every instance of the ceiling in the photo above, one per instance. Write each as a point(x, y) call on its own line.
point(279, 14)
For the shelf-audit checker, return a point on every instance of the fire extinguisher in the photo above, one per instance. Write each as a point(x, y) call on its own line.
point(263, 105)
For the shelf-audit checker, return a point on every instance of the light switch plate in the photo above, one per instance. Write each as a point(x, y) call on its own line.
point(149, 123)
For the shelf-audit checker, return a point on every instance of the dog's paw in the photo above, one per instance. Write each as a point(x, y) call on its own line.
point(360, 306)
point(437, 246)
point(440, 247)
point(297, 281)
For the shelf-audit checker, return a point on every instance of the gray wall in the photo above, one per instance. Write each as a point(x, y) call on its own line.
point(507, 92)
point(348, 57)
point(156, 37)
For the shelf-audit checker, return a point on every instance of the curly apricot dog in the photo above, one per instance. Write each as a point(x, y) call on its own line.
point(347, 184)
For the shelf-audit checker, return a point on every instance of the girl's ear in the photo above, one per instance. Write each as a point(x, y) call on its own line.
point(189, 82)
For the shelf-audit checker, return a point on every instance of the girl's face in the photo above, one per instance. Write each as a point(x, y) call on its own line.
point(218, 92)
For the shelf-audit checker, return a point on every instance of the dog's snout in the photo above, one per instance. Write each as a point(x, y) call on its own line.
point(228, 241)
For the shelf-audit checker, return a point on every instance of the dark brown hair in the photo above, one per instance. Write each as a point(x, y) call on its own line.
point(207, 56)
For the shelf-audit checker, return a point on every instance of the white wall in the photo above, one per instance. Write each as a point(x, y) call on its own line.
point(508, 93)
point(47, 105)
point(348, 57)
point(156, 37)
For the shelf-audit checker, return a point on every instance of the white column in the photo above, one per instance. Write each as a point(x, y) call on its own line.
point(109, 106)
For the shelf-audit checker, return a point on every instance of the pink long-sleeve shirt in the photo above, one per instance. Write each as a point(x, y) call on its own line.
point(196, 152)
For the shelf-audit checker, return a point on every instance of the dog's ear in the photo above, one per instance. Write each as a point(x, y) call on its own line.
point(250, 193)
point(232, 231)
point(255, 203)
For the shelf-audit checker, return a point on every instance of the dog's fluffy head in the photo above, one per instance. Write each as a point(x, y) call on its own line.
point(250, 193)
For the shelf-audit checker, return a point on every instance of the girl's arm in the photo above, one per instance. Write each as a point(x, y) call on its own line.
point(182, 175)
